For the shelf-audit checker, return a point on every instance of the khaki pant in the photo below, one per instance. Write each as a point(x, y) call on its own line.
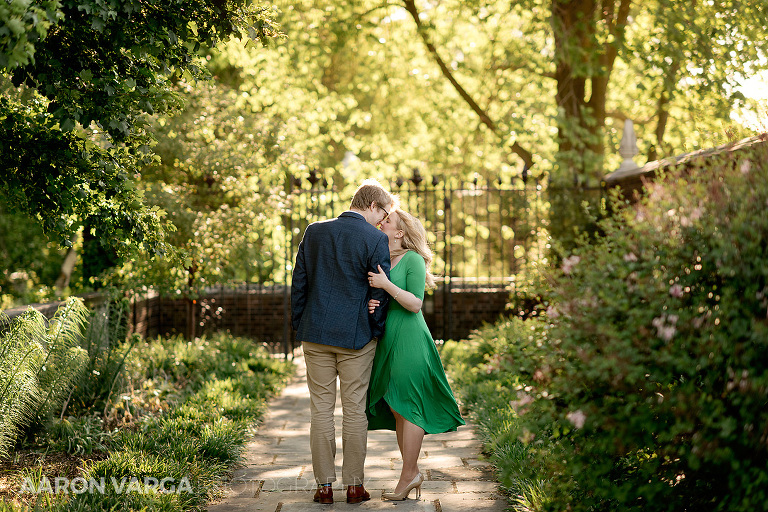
point(353, 368)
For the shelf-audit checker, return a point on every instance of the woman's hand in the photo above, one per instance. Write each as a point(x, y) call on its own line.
point(378, 280)
point(372, 305)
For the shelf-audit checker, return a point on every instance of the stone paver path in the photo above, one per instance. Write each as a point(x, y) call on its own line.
point(276, 475)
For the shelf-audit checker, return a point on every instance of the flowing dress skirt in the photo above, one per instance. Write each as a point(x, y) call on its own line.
point(408, 375)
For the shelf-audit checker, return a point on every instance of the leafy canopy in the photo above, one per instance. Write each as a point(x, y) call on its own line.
point(86, 75)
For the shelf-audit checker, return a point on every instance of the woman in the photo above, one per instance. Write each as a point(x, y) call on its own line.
point(409, 392)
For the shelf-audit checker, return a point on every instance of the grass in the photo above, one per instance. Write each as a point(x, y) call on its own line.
point(488, 391)
point(182, 418)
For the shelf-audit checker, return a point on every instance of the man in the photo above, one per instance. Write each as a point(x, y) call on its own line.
point(329, 311)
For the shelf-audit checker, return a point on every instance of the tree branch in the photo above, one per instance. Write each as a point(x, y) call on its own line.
point(621, 116)
point(662, 107)
point(525, 155)
point(376, 8)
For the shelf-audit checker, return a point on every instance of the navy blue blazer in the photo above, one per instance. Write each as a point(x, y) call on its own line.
point(330, 290)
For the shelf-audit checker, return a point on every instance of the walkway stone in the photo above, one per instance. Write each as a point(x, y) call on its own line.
point(276, 474)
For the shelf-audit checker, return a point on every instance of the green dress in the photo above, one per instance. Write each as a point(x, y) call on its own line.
point(407, 374)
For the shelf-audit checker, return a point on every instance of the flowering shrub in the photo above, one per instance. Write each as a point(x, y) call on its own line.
point(657, 365)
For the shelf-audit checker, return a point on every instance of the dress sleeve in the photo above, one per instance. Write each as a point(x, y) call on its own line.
point(416, 275)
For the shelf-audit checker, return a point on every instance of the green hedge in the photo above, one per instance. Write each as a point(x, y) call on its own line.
point(659, 351)
point(645, 384)
point(490, 374)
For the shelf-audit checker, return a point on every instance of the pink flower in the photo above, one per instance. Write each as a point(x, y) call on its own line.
point(665, 330)
point(577, 418)
point(745, 167)
point(676, 290)
point(630, 257)
point(552, 312)
point(523, 399)
point(696, 213)
point(569, 263)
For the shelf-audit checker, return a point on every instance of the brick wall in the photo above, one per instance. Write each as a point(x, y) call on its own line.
point(455, 315)
point(260, 312)
point(257, 313)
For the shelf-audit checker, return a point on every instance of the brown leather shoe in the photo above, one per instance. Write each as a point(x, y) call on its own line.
point(357, 493)
point(324, 494)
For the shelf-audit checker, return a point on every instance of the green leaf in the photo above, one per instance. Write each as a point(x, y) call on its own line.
point(98, 24)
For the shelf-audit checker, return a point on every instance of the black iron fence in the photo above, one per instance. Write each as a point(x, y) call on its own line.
point(483, 234)
point(486, 235)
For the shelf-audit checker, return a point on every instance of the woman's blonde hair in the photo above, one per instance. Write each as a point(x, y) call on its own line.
point(415, 239)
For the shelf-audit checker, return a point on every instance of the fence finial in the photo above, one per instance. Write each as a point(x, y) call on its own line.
point(628, 147)
point(416, 179)
point(313, 177)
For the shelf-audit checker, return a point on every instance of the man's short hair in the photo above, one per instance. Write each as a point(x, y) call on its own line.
point(370, 191)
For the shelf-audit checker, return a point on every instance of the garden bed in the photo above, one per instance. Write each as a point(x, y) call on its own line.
point(164, 441)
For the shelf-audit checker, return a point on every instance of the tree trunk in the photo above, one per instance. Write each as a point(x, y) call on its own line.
point(579, 63)
point(573, 32)
point(67, 267)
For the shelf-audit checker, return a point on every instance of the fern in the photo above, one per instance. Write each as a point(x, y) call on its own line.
point(62, 376)
point(39, 364)
point(66, 359)
point(105, 341)
point(20, 360)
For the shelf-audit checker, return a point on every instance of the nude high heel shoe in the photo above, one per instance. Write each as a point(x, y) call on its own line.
point(416, 482)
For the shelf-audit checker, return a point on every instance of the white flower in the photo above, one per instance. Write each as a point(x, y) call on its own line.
point(552, 312)
point(577, 418)
point(665, 330)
